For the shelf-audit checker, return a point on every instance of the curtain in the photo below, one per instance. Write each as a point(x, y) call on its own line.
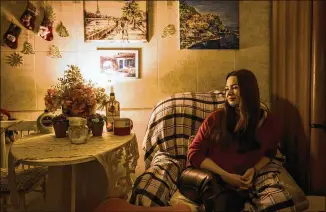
point(290, 82)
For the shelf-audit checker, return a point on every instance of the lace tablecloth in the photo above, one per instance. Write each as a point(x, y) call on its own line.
point(113, 152)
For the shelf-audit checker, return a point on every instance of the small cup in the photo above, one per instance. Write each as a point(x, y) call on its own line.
point(122, 126)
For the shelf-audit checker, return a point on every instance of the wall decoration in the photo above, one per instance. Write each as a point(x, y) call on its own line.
point(168, 31)
point(54, 52)
point(119, 63)
point(14, 59)
point(29, 16)
point(46, 26)
point(27, 48)
point(11, 36)
point(62, 30)
point(115, 21)
point(209, 24)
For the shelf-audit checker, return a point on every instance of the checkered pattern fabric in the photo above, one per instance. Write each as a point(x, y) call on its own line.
point(156, 186)
point(25, 179)
point(176, 118)
point(165, 143)
point(269, 192)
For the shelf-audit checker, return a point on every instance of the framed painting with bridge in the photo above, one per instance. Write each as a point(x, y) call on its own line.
point(119, 63)
point(115, 21)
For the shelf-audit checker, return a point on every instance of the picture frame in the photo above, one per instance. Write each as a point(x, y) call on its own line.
point(119, 63)
point(209, 24)
point(115, 21)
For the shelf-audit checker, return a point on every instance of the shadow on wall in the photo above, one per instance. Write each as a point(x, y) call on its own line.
point(295, 144)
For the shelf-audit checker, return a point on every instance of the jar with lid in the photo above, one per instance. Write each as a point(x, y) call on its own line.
point(78, 130)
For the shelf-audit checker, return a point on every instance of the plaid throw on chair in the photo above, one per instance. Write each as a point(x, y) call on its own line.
point(176, 118)
point(165, 143)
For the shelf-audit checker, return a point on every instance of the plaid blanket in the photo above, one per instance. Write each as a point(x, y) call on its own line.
point(176, 118)
point(165, 143)
point(172, 122)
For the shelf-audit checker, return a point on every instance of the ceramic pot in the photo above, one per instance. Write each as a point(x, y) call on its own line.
point(60, 129)
point(97, 128)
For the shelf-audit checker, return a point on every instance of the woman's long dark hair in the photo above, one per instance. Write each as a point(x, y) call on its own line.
point(243, 126)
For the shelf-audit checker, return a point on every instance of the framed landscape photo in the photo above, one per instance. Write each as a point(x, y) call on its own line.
point(209, 24)
point(119, 63)
point(115, 21)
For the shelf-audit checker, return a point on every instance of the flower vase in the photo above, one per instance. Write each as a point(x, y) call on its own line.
point(97, 128)
point(60, 129)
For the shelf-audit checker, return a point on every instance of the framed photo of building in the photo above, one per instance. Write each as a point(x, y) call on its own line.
point(209, 24)
point(119, 63)
point(115, 21)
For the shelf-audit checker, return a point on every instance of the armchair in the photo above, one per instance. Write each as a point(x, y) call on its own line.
point(165, 143)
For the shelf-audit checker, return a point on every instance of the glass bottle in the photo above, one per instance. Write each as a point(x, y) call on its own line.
point(44, 122)
point(112, 111)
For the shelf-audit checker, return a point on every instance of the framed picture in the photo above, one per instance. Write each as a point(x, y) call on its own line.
point(209, 24)
point(119, 63)
point(115, 21)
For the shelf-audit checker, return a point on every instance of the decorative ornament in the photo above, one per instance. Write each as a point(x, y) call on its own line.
point(15, 59)
point(62, 30)
point(11, 36)
point(168, 31)
point(45, 30)
point(169, 4)
point(27, 48)
point(55, 52)
point(29, 16)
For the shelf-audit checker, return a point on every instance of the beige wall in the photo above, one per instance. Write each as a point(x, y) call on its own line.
point(164, 68)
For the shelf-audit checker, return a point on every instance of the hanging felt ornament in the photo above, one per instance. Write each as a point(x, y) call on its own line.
point(14, 59)
point(168, 31)
point(62, 30)
point(45, 30)
point(54, 52)
point(11, 36)
point(27, 48)
point(28, 17)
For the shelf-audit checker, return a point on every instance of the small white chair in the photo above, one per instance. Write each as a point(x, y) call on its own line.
point(23, 179)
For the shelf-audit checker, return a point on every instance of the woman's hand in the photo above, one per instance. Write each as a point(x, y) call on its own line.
point(247, 178)
point(233, 179)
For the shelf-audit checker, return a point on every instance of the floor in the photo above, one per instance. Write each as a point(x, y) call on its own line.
point(317, 203)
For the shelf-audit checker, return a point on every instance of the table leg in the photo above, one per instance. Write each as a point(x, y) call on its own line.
point(73, 189)
point(4, 154)
point(57, 198)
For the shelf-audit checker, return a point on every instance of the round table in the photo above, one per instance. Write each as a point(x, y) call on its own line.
point(114, 153)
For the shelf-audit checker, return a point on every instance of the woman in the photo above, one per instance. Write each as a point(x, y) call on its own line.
point(231, 146)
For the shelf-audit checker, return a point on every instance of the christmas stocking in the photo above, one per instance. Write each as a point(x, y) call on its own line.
point(45, 30)
point(11, 36)
point(28, 17)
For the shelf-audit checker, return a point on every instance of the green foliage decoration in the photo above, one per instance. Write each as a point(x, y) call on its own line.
point(27, 48)
point(48, 13)
point(62, 30)
point(15, 59)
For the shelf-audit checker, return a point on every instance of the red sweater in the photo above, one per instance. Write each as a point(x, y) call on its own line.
point(202, 147)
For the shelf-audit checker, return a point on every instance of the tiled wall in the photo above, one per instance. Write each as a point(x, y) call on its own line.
point(164, 68)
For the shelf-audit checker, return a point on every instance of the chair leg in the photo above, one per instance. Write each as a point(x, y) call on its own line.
point(22, 202)
point(44, 188)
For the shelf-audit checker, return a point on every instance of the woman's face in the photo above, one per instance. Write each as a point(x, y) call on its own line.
point(232, 91)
